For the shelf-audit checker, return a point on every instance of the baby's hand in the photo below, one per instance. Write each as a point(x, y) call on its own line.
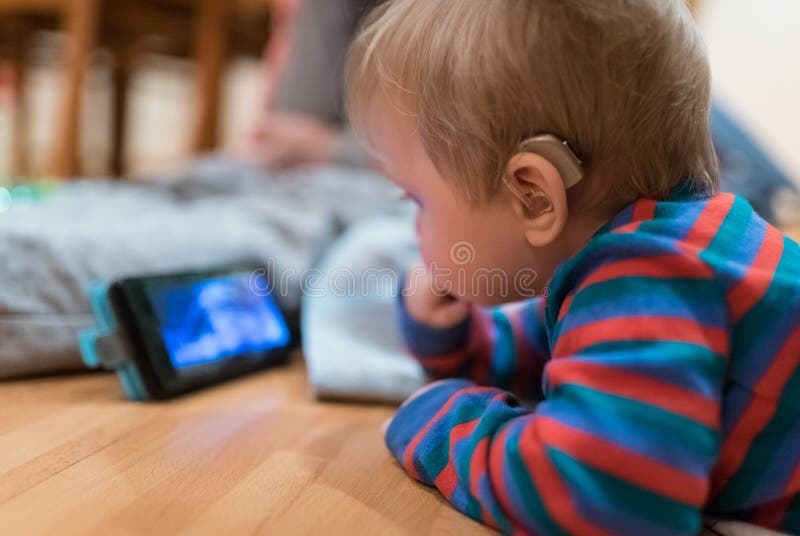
point(428, 304)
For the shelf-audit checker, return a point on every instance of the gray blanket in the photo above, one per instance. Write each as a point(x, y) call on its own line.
point(351, 339)
point(217, 212)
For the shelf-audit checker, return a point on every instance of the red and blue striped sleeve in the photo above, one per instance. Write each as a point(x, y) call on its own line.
point(502, 346)
point(629, 431)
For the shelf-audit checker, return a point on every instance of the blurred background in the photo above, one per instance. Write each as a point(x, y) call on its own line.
point(100, 87)
point(167, 79)
point(755, 56)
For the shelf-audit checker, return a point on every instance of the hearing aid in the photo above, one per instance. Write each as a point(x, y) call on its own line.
point(556, 151)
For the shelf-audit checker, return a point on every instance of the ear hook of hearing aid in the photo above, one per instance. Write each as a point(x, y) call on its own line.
point(525, 199)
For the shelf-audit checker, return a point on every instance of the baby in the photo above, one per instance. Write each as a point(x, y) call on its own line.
point(561, 148)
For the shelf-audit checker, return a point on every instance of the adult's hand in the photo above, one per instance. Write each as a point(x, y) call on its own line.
point(286, 140)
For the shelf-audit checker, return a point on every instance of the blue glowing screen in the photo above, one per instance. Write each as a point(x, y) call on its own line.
point(211, 320)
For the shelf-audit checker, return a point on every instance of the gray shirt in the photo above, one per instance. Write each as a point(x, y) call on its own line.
point(312, 81)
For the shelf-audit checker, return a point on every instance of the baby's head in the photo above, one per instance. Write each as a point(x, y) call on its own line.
point(446, 92)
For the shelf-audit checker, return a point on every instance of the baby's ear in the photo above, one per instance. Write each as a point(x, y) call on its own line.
point(539, 197)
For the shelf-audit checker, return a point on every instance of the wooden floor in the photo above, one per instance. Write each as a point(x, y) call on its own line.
point(255, 456)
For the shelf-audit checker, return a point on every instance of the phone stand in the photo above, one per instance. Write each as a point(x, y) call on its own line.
point(106, 346)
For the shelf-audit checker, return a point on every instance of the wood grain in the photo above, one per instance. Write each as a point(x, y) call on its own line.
point(254, 456)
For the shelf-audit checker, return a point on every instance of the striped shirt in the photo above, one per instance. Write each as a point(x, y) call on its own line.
point(664, 367)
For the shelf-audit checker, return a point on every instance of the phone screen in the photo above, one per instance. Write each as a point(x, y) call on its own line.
point(215, 319)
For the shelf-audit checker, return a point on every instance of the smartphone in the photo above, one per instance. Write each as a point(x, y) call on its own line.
point(169, 334)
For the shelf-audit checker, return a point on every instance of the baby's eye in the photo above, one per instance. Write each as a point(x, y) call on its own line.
point(405, 196)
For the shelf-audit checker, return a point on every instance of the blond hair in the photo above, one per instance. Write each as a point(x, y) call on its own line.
point(626, 82)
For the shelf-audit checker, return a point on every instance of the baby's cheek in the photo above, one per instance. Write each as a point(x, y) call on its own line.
point(434, 243)
point(425, 251)
point(432, 261)
point(426, 238)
